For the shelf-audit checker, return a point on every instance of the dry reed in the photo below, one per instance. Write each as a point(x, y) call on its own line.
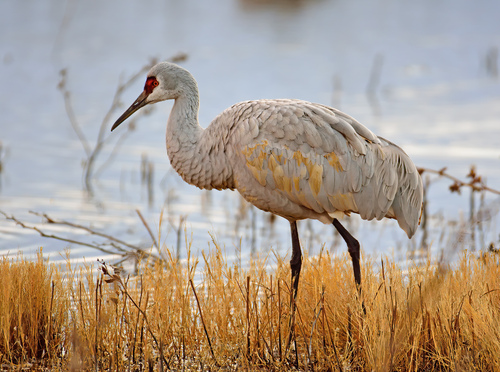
point(215, 315)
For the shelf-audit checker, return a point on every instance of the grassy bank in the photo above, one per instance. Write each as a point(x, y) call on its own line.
point(426, 318)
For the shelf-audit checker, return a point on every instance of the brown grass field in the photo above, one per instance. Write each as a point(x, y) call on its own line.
point(217, 316)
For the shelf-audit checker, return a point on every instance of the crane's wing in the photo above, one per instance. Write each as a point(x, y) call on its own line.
point(324, 160)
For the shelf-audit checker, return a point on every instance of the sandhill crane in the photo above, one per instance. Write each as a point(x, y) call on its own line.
point(293, 158)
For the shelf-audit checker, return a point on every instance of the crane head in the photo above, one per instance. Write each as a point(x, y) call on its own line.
point(165, 81)
point(141, 101)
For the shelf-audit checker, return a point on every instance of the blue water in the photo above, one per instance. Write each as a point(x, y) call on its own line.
point(434, 94)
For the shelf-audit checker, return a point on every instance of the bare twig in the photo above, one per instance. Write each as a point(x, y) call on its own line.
point(45, 235)
point(203, 321)
point(147, 228)
point(93, 232)
point(92, 153)
point(178, 230)
point(476, 182)
point(118, 245)
point(71, 114)
point(116, 149)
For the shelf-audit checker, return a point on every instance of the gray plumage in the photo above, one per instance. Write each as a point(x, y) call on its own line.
point(303, 160)
point(293, 158)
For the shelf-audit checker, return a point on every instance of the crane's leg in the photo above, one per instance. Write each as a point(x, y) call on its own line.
point(295, 265)
point(296, 261)
point(353, 248)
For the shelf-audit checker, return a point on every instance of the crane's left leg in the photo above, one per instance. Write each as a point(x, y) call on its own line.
point(295, 266)
point(296, 261)
point(353, 248)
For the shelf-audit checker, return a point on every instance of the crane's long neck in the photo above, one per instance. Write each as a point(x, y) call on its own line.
point(198, 157)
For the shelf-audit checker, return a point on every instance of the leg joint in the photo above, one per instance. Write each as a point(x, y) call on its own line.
point(353, 247)
point(296, 260)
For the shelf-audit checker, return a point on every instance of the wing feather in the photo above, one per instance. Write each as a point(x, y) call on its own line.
point(323, 160)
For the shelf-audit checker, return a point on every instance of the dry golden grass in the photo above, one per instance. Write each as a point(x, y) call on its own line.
point(215, 315)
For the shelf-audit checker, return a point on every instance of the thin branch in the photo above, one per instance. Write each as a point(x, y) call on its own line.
point(476, 182)
point(117, 244)
point(71, 114)
point(92, 153)
point(93, 232)
point(115, 150)
point(100, 142)
point(203, 321)
point(147, 228)
point(45, 235)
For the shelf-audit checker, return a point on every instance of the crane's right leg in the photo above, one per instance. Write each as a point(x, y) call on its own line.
point(353, 248)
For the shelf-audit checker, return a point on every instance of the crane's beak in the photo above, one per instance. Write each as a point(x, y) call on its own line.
point(138, 103)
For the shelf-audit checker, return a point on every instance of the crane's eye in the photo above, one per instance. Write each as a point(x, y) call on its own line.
point(151, 84)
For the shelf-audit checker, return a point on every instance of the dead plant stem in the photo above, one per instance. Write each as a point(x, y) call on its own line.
point(203, 322)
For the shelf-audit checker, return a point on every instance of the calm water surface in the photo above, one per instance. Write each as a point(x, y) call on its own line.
point(432, 68)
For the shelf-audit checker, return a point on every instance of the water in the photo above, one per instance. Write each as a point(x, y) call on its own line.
point(435, 94)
